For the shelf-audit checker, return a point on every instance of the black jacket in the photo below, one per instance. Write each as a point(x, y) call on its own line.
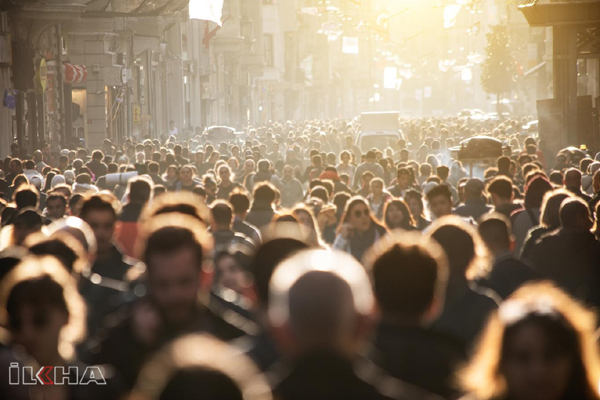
point(420, 356)
point(507, 275)
point(328, 376)
point(571, 258)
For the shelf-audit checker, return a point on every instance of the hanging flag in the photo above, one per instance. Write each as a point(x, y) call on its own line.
point(207, 10)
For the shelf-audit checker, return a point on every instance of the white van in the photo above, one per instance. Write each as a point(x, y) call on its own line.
point(378, 130)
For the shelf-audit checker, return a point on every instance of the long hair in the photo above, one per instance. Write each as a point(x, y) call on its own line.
point(568, 325)
point(353, 202)
point(408, 222)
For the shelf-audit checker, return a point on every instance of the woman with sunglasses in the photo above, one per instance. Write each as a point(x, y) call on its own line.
point(358, 229)
point(398, 216)
point(539, 345)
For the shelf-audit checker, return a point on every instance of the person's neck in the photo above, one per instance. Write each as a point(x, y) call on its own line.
point(377, 197)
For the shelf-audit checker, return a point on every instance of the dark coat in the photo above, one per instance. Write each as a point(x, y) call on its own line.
point(507, 275)
point(420, 356)
point(571, 258)
point(328, 376)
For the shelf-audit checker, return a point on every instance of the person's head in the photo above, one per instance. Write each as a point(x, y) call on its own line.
point(398, 216)
point(377, 186)
point(403, 176)
point(186, 174)
point(572, 179)
point(462, 245)
point(56, 206)
point(139, 190)
point(371, 156)
point(225, 174)
point(443, 172)
point(200, 366)
point(504, 165)
point(345, 157)
point(27, 221)
point(99, 211)
point(221, 214)
point(240, 203)
point(535, 191)
point(495, 231)
point(549, 214)
point(539, 345)
point(414, 200)
point(474, 189)
point(267, 257)
point(15, 166)
point(575, 214)
point(366, 178)
point(41, 307)
point(173, 247)
point(320, 299)
point(358, 215)
point(26, 196)
point(264, 193)
point(440, 201)
point(97, 155)
point(64, 247)
point(501, 191)
point(410, 273)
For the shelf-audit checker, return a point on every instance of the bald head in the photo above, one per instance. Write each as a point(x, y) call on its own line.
point(320, 297)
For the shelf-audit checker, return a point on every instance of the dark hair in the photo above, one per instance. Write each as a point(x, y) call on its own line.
point(411, 193)
point(503, 164)
point(56, 196)
point(440, 190)
point(320, 193)
point(41, 292)
point(153, 167)
point(407, 222)
point(239, 201)
point(407, 276)
point(267, 257)
point(264, 193)
point(26, 196)
point(167, 234)
point(535, 191)
point(443, 172)
point(97, 155)
point(458, 244)
point(495, 231)
point(222, 212)
point(571, 210)
point(502, 187)
point(98, 202)
point(139, 191)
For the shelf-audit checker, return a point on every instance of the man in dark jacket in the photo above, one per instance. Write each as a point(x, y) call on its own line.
point(501, 191)
point(97, 167)
point(507, 272)
point(221, 220)
point(321, 317)
point(241, 204)
point(571, 255)
point(474, 206)
point(173, 255)
point(261, 213)
point(410, 277)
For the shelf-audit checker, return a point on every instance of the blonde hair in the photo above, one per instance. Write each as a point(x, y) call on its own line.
point(35, 268)
point(483, 377)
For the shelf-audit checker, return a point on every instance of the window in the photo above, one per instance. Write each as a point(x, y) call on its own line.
point(268, 47)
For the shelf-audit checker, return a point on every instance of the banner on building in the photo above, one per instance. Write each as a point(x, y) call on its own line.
point(207, 10)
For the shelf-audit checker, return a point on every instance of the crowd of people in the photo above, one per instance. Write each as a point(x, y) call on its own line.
point(288, 263)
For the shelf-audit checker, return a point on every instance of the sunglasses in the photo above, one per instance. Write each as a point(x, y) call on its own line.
point(360, 213)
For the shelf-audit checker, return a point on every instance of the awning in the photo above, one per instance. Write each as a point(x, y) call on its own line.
point(535, 69)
